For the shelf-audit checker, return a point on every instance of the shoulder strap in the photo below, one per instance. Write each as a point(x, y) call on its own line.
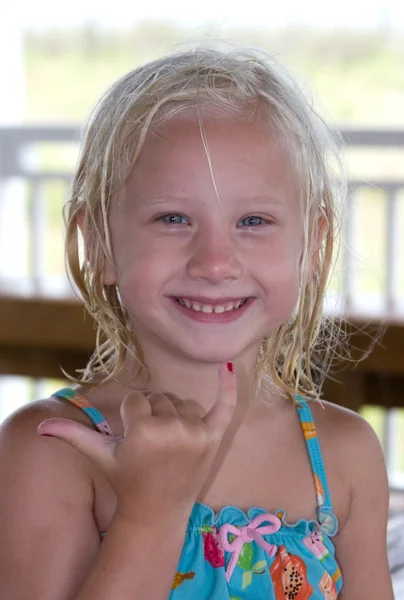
point(326, 517)
point(93, 413)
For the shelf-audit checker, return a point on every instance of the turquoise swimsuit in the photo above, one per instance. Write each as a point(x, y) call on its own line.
point(233, 555)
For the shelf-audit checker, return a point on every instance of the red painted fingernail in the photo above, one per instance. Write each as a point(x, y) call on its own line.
point(230, 367)
point(47, 434)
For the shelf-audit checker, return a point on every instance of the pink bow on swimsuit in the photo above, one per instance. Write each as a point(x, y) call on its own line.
point(247, 534)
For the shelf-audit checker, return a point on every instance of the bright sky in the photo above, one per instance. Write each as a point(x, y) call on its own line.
point(117, 13)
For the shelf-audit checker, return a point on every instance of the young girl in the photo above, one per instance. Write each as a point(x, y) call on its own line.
point(206, 197)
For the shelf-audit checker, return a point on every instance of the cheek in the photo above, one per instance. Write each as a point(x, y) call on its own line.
point(281, 263)
point(282, 280)
point(285, 286)
point(140, 277)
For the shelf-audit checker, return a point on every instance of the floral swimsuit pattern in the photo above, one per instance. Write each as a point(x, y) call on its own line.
point(233, 555)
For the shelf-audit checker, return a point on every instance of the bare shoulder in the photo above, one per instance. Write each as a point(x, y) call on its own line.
point(343, 429)
point(353, 457)
point(24, 454)
point(29, 460)
point(46, 507)
point(38, 410)
point(357, 475)
point(348, 441)
point(21, 443)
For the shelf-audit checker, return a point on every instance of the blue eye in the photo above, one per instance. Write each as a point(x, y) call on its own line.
point(177, 219)
point(252, 221)
point(173, 219)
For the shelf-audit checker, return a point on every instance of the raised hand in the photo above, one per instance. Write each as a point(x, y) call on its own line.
point(165, 454)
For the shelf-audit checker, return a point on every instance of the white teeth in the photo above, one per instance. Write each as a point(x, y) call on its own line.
point(218, 309)
point(207, 308)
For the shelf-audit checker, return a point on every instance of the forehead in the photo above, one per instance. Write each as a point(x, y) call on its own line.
point(239, 155)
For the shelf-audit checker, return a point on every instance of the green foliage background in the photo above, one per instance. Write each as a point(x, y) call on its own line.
point(357, 77)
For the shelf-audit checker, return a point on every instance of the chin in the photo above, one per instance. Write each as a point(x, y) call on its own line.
point(210, 356)
point(221, 354)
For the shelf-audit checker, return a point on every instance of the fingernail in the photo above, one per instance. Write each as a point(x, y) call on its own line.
point(230, 367)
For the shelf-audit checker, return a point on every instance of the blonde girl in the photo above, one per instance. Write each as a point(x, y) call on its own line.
point(192, 459)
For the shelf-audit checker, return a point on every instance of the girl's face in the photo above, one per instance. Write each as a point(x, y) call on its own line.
point(179, 233)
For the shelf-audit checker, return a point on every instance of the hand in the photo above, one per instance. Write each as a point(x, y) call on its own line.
point(159, 465)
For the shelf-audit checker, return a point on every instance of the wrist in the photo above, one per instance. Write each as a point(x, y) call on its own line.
point(165, 523)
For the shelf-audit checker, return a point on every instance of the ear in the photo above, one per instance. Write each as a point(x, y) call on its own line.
point(108, 273)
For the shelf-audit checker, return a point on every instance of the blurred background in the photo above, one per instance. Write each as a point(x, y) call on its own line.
point(55, 62)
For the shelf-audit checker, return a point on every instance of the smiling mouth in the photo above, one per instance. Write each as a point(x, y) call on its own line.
point(209, 308)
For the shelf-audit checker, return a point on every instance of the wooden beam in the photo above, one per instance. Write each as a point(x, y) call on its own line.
point(376, 346)
point(353, 389)
point(63, 323)
point(46, 323)
point(41, 362)
point(39, 335)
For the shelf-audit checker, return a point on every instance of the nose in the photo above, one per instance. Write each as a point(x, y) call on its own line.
point(214, 257)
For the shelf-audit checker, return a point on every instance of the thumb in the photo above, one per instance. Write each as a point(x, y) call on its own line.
point(219, 416)
point(97, 447)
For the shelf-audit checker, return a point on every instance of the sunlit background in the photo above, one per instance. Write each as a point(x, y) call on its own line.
point(57, 59)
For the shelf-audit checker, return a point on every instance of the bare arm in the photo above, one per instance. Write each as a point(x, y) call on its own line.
point(135, 561)
point(361, 544)
point(48, 535)
point(50, 545)
point(156, 470)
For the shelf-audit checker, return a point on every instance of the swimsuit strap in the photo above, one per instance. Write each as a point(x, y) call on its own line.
point(326, 517)
point(94, 414)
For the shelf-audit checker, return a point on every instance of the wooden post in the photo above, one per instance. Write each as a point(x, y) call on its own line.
point(13, 238)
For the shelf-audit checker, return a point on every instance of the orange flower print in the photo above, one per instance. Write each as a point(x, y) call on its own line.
point(289, 577)
point(327, 586)
point(181, 577)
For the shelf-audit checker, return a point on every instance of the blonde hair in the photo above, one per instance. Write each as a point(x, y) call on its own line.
point(295, 357)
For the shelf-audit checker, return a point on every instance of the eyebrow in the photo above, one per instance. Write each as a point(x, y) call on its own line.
point(261, 199)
